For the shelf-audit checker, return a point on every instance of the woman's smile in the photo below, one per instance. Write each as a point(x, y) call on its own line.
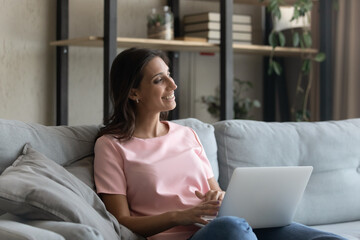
point(169, 97)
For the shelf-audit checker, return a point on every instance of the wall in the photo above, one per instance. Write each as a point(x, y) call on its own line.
point(27, 62)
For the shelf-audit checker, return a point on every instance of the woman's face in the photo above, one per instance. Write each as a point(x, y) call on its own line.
point(156, 90)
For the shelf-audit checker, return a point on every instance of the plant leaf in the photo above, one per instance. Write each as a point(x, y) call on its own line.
point(307, 39)
point(277, 68)
point(282, 39)
point(296, 39)
point(295, 15)
point(257, 104)
point(306, 66)
point(272, 39)
point(320, 57)
point(273, 4)
point(277, 13)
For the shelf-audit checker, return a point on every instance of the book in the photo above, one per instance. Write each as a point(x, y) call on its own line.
point(217, 41)
point(191, 39)
point(215, 26)
point(216, 35)
point(214, 17)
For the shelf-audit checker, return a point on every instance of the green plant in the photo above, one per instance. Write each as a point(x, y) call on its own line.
point(303, 39)
point(242, 105)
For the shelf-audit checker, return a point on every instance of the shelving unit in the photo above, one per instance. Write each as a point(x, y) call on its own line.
point(110, 42)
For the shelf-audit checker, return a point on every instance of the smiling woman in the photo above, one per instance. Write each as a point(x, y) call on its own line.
point(153, 175)
point(155, 93)
point(137, 78)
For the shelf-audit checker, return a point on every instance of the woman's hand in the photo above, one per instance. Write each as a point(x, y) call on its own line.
point(211, 195)
point(195, 214)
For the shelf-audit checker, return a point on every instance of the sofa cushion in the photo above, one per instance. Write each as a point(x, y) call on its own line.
point(84, 170)
point(35, 187)
point(349, 230)
point(62, 144)
point(332, 148)
point(206, 134)
point(11, 230)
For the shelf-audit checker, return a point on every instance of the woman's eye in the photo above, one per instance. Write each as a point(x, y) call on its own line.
point(158, 80)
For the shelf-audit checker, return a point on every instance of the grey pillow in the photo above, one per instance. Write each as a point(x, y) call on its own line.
point(68, 230)
point(11, 230)
point(35, 187)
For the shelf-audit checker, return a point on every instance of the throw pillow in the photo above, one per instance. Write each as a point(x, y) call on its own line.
point(35, 187)
point(68, 230)
point(11, 230)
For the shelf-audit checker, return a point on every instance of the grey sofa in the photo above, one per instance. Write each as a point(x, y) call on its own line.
point(47, 188)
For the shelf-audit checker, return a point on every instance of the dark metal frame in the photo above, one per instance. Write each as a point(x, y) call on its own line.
point(174, 56)
point(226, 61)
point(110, 34)
point(62, 32)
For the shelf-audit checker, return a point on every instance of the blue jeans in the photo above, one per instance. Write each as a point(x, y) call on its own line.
point(233, 228)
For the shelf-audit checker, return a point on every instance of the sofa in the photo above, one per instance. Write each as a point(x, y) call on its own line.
point(47, 189)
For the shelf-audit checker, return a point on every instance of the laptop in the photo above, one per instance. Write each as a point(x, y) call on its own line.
point(265, 196)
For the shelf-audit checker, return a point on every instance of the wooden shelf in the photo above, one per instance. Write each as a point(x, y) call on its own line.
point(180, 45)
point(265, 2)
point(257, 2)
point(166, 45)
point(279, 51)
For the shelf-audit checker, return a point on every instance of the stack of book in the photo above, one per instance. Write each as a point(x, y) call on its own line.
point(207, 26)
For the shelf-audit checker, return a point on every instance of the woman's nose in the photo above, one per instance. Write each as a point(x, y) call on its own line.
point(172, 84)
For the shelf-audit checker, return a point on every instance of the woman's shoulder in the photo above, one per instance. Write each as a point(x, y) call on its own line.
point(107, 139)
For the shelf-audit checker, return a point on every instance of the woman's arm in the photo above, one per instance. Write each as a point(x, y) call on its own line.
point(146, 226)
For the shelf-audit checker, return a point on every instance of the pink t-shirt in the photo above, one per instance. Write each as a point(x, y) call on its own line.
point(157, 175)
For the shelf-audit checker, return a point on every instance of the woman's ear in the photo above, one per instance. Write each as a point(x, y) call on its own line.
point(134, 94)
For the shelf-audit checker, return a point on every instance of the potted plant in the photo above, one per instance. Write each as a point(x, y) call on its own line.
point(302, 39)
point(242, 105)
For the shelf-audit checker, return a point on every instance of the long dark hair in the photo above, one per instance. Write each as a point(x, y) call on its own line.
point(126, 73)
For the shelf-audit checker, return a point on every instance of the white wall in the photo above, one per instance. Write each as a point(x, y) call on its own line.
point(27, 67)
point(27, 62)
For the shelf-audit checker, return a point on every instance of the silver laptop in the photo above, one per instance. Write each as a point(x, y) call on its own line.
point(265, 196)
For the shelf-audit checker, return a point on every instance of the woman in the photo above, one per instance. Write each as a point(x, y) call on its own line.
point(153, 175)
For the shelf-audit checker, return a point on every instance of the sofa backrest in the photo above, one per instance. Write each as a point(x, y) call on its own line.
point(67, 144)
point(332, 148)
point(62, 144)
point(206, 134)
